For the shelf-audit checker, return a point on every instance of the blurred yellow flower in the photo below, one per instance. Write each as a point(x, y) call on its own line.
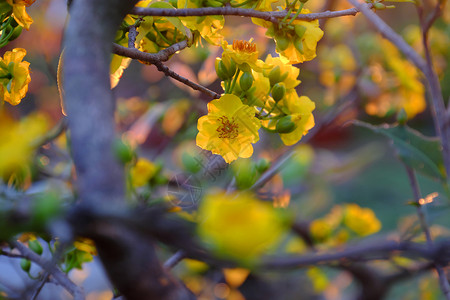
point(17, 142)
point(19, 12)
point(300, 109)
point(14, 76)
point(229, 129)
point(142, 172)
point(238, 225)
point(362, 221)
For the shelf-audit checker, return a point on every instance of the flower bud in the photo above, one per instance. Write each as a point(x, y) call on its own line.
point(25, 264)
point(191, 162)
point(246, 81)
point(123, 151)
point(221, 71)
point(299, 30)
point(278, 91)
point(379, 6)
point(35, 246)
point(285, 125)
point(245, 173)
point(274, 75)
point(298, 44)
point(282, 42)
point(262, 165)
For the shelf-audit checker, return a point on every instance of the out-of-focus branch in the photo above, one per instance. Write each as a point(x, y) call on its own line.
point(242, 12)
point(128, 256)
point(439, 253)
point(51, 268)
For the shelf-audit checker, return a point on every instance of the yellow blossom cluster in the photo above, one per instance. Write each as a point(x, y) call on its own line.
point(343, 222)
point(257, 94)
point(18, 142)
point(239, 225)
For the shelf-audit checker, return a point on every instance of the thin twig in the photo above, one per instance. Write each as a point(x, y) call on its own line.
point(132, 33)
point(242, 12)
point(44, 280)
point(423, 223)
point(60, 277)
point(52, 134)
point(161, 67)
point(174, 259)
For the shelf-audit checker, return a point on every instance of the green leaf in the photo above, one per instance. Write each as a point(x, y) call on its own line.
point(422, 153)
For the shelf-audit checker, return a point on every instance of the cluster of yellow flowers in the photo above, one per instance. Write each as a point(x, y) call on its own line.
point(257, 94)
point(14, 76)
point(18, 143)
point(343, 221)
point(239, 225)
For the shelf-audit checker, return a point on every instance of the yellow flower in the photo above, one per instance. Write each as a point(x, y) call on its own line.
point(361, 220)
point(300, 109)
point(17, 142)
point(142, 172)
point(208, 27)
point(19, 12)
point(288, 73)
point(244, 54)
point(229, 129)
point(297, 45)
point(14, 76)
point(238, 225)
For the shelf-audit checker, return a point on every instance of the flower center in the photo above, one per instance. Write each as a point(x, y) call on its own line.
point(244, 46)
point(227, 130)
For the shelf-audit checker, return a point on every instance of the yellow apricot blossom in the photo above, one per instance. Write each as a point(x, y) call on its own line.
point(229, 129)
point(142, 172)
point(238, 225)
point(17, 142)
point(19, 12)
point(362, 221)
point(300, 109)
point(244, 54)
point(14, 76)
point(288, 73)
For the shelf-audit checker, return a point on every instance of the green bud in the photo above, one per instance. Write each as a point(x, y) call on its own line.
point(123, 151)
point(298, 44)
point(282, 42)
point(274, 75)
point(246, 81)
point(299, 30)
point(278, 91)
point(402, 117)
point(379, 6)
point(230, 66)
point(245, 173)
point(221, 70)
point(285, 125)
point(190, 162)
point(25, 264)
point(16, 33)
point(214, 3)
point(35, 246)
point(262, 165)
point(5, 8)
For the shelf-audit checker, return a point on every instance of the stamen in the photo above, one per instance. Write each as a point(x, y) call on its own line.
point(228, 130)
point(244, 46)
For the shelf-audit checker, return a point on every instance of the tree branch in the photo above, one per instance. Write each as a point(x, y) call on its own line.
point(51, 268)
point(242, 12)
